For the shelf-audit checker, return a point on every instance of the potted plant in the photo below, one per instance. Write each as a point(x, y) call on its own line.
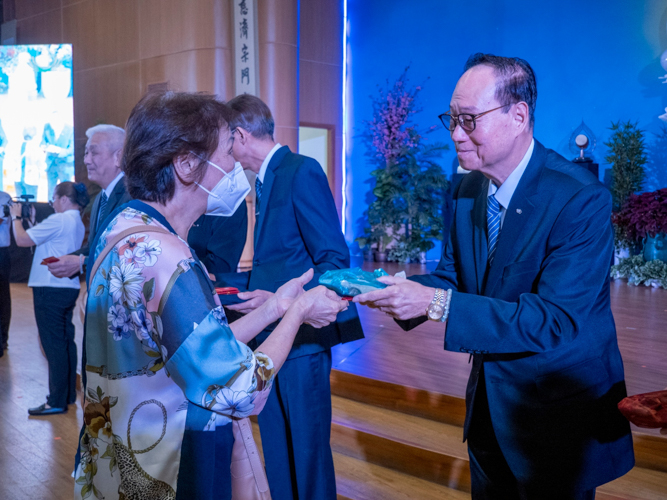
point(405, 213)
point(643, 219)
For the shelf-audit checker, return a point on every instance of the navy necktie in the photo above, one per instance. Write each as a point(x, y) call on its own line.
point(258, 192)
point(103, 208)
point(493, 225)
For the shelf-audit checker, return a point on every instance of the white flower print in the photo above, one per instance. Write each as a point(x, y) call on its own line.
point(147, 252)
point(143, 326)
point(119, 322)
point(219, 314)
point(125, 283)
point(130, 256)
point(130, 213)
point(233, 403)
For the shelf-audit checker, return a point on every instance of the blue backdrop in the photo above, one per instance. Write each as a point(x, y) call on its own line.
point(595, 60)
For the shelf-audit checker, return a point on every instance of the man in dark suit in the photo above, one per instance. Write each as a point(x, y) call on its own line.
point(219, 241)
point(102, 159)
point(523, 286)
point(297, 228)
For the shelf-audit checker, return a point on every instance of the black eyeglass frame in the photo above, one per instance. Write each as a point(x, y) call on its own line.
point(457, 119)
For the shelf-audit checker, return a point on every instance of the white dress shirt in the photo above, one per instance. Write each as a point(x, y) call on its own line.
point(505, 192)
point(265, 163)
point(58, 234)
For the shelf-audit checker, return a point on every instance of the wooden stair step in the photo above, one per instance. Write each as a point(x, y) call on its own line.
point(422, 448)
point(419, 402)
point(638, 484)
point(650, 449)
point(360, 480)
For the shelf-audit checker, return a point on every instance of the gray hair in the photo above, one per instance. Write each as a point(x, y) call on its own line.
point(115, 135)
point(253, 115)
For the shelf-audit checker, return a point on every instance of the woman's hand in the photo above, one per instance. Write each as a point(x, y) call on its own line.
point(319, 307)
point(290, 291)
point(281, 300)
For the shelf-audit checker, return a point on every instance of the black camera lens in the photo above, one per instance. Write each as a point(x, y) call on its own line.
point(5, 210)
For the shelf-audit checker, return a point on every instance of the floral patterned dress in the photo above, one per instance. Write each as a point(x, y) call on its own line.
point(164, 371)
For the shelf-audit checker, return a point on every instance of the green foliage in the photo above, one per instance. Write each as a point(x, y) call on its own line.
point(639, 272)
point(627, 157)
point(409, 186)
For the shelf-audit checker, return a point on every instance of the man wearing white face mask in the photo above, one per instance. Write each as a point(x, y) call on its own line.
point(297, 228)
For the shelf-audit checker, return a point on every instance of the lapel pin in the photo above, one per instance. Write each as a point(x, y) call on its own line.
point(518, 210)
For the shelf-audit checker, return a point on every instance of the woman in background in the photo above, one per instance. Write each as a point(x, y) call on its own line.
point(54, 298)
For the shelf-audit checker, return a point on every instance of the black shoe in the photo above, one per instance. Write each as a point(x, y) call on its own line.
point(43, 410)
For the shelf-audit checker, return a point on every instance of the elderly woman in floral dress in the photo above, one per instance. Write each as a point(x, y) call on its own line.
point(165, 371)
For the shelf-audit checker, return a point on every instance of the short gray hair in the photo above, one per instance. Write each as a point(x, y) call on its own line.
point(115, 135)
point(253, 115)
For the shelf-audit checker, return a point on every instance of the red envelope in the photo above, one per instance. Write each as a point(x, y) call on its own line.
point(49, 260)
point(226, 290)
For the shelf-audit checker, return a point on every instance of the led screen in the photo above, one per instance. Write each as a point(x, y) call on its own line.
point(36, 119)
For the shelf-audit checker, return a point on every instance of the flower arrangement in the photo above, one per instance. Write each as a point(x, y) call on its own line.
point(405, 213)
point(640, 216)
point(639, 272)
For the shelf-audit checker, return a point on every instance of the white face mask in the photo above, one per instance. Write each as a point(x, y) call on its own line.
point(227, 194)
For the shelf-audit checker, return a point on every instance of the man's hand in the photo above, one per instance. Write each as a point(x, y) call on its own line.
point(15, 210)
point(66, 267)
point(319, 307)
point(403, 299)
point(252, 299)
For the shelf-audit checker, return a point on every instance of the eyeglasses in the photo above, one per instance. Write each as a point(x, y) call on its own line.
point(466, 120)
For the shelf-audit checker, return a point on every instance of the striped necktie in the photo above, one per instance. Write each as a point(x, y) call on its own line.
point(103, 209)
point(258, 192)
point(493, 225)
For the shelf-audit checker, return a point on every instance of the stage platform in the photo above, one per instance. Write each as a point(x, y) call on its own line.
point(417, 358)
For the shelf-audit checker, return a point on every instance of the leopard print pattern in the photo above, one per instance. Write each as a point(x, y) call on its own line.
point(136, 484)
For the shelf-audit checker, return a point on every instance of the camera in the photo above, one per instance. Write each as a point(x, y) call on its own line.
point(24, 200)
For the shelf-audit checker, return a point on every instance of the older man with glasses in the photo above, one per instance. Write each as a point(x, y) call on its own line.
point(523, 287)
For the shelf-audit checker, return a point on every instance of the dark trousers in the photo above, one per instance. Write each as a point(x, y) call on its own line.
point(295, 426)
point(5, 297)
point(490, 476)
point(53, 312)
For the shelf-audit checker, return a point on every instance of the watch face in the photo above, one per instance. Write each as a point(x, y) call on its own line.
point(435, 311)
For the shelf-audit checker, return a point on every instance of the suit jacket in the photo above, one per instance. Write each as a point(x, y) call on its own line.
point(64, 140)
point(539, 322)
point(298, 228)
point(219, 241)
point(119, 196)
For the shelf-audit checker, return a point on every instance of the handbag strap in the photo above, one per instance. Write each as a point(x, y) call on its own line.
point(245, 428)
point(119, 237)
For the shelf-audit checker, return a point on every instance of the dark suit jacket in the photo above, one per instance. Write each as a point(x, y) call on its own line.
point(119, 196)
point(219, 241)
point(298, 228)
point(539, 322)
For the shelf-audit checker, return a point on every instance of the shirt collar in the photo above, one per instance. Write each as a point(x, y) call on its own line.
point(267, 160)
point(505, 192)
point(111, 186)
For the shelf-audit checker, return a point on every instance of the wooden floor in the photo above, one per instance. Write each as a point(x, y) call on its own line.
point(417, 358)
point(36, 453)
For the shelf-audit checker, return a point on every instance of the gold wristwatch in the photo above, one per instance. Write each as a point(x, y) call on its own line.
point(436, 308)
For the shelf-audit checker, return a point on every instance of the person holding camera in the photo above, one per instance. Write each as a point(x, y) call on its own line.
point(54, 298)
point(5, 267)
